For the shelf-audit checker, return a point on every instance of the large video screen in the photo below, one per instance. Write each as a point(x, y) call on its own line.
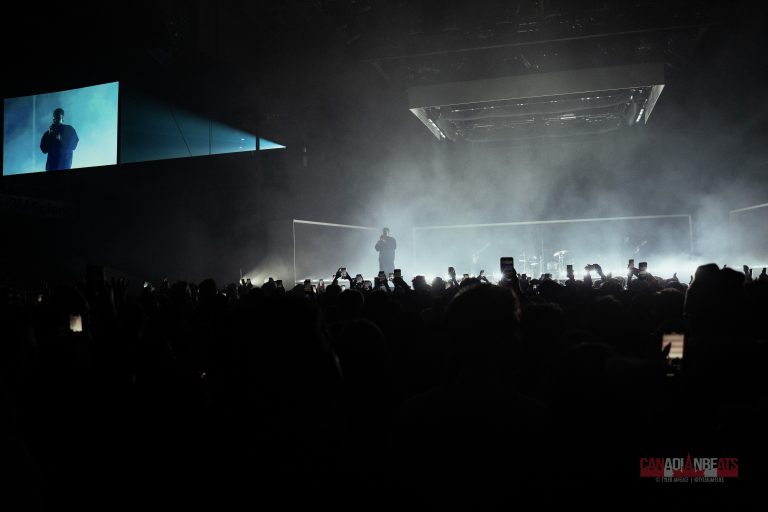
point(62, 130)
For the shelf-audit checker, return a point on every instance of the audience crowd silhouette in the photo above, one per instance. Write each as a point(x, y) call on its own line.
point(444, 396)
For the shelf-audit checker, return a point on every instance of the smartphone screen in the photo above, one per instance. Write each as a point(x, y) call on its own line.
point(398, 273)
point(75, 323)
point(643, 265)
point(507, 264)
point(676, 341)
point(344, 272)
point(391, 276)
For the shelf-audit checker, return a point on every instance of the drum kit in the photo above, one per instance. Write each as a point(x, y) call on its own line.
point(533, 265)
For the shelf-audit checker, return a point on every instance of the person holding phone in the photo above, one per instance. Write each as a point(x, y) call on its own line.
point(452, 277)
point(382, 283)
point(386, 248)
point(343, 274)
point(509, 277)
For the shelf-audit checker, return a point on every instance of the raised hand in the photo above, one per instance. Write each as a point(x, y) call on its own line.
point(400, 283)
point(747, 274)
point(598, 269)
point(119, 287)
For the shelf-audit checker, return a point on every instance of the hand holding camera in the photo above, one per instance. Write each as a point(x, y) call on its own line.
point(507, 267)
point(381, 281)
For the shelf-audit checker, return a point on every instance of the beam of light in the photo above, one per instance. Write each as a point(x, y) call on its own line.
point(755, 207)
point(560, 221)
point(265, 144)
point(332, 225)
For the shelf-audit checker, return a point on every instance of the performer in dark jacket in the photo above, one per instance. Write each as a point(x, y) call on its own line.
point(386, 247)
point(58, 142)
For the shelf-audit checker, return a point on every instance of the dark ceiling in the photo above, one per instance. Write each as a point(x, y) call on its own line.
point(287, 67)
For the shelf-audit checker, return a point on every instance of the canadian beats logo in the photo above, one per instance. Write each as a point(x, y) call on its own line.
point(689, 469)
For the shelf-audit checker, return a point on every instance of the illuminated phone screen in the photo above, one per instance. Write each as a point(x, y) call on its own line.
point(676, 341)
point(75, 323)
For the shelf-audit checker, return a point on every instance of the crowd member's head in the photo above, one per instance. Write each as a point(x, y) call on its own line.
point(484, 322)
point(714, 307)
